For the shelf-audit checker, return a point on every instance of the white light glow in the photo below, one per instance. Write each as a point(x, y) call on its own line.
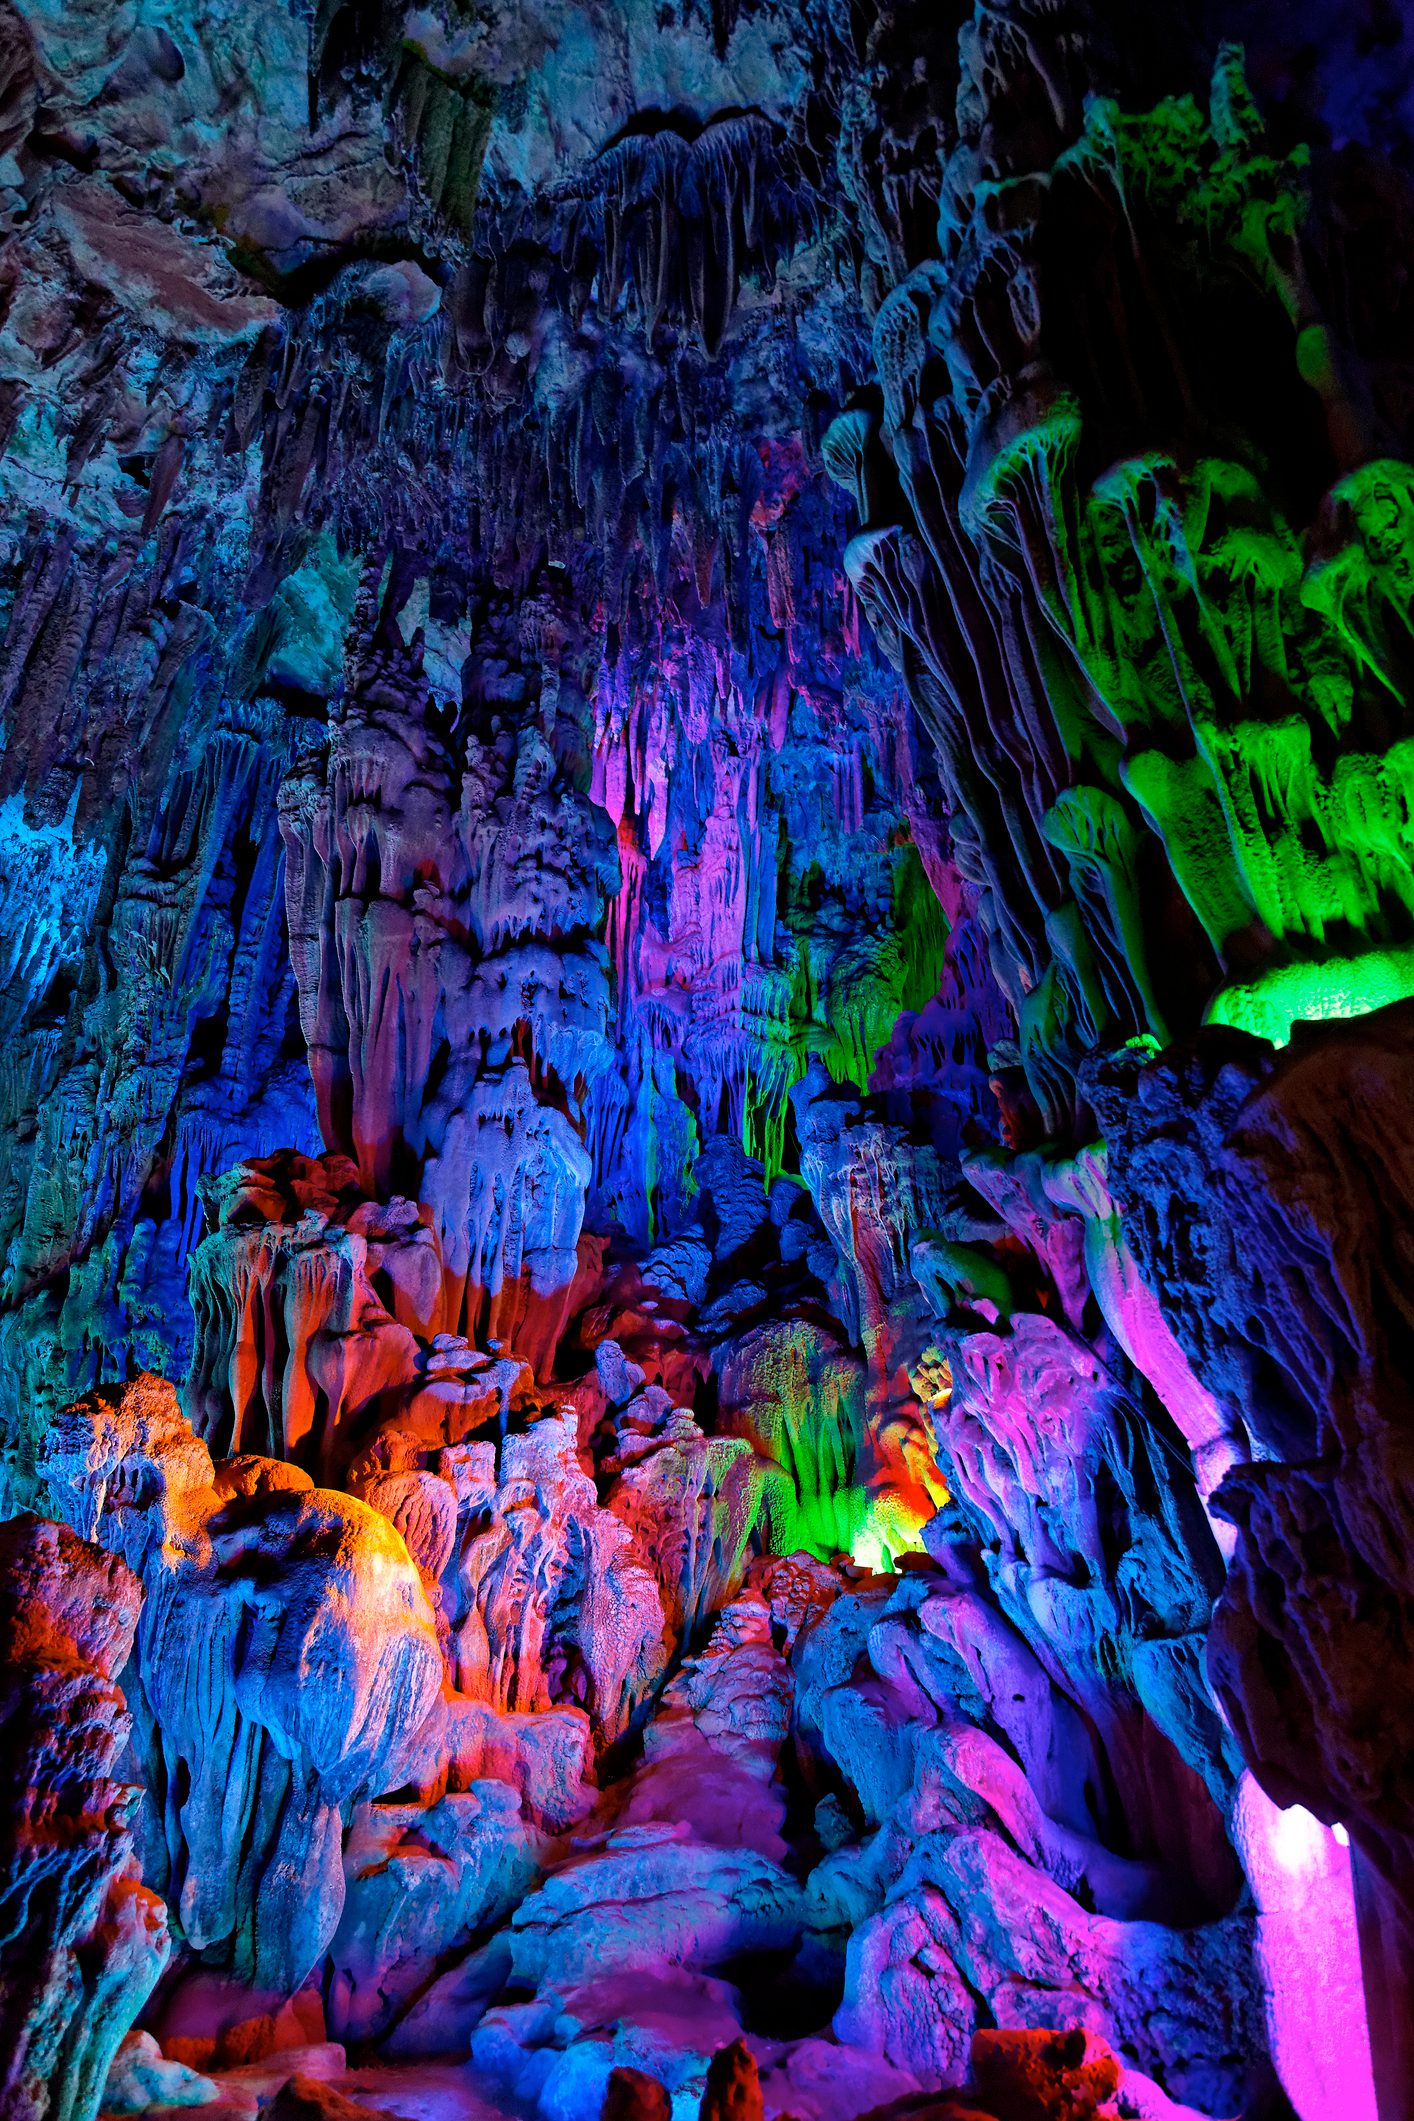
point(1296, 1838)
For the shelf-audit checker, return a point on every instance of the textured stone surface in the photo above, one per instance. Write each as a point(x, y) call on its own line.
point(84, 1939)
point(422, 1885)
point(287, 1661)
point(689, 695)
point(140, 2077)
point(1315, 1608)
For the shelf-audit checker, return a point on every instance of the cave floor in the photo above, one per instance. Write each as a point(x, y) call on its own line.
point(411, 2091)
point(426, 2091)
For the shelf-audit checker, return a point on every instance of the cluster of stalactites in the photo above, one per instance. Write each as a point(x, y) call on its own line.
point(1173, 728)
point(445, 884)
point(675, 220)
point(786, 886)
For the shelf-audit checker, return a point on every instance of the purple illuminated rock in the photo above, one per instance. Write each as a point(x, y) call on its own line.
point(421, 1885)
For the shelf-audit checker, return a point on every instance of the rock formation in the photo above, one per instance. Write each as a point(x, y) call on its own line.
point(706, 1005)
point(84, 1938)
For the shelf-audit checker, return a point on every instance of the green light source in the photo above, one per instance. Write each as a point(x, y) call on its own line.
point(1341, 987)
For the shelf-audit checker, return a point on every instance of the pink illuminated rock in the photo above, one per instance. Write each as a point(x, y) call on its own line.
point(1097, 1546)
point(1135, 1316)
point(547, 1757)
point(971, 1924)
point(712, 1753)
point(210, 2020)
point(817, 2079)
point(1308, 1950)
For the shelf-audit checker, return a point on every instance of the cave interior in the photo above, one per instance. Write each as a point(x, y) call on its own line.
point(707, 1060)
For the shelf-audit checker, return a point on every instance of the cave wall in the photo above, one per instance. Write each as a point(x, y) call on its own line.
point(707, 934)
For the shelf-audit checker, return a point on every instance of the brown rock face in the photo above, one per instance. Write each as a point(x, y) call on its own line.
point(307, 2099)
point(733, 2086)
point(1041, 2076)
point(632, 2096)
point(1032, 2075)
point(84, 1941)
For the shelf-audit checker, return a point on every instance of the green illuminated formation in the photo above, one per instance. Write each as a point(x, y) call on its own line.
point(848, 1000)
point(1337, 987)
point(800, 1396)
point(1185, 777)
point(849, 991)
point(847, 1484)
